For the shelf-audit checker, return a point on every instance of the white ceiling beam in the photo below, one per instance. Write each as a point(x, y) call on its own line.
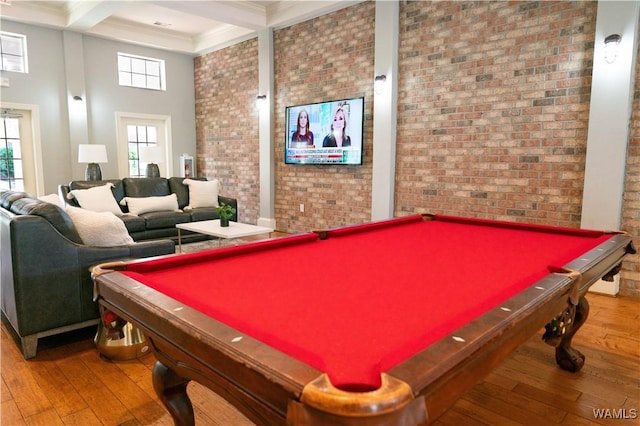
point(117, 29)
point(84, 15)
point(239, 13)
point(282, 14)
point(34, 13)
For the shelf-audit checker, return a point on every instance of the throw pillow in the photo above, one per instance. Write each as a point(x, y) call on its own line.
point(99, 229)
point(97, 199)
point(53, 199)
point(139, 205)
point(202, 193)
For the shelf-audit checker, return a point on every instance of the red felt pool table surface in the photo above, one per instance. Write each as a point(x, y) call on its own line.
point(365, 298)
point(374, 324)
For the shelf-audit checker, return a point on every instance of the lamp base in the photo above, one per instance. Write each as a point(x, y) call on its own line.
point(93, 172)
point(153, 170)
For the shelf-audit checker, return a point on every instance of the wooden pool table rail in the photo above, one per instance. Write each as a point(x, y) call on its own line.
point(192, 346)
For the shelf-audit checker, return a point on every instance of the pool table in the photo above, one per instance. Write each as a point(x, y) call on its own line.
point(384, 323)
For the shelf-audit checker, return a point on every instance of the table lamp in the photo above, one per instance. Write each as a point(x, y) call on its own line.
point(92, 155)
point(151, 155)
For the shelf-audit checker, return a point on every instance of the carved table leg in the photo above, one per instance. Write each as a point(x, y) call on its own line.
point(568, 358)
point(172, 391)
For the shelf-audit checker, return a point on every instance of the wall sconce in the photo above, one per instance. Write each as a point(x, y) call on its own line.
point(261, 99)
point(611, 43)
point(378, 83)
point(92, 155)
point(151, 155)
point(77, 98)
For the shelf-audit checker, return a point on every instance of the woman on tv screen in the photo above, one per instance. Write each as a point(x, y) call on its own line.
point(338, 136)
point(302, 135)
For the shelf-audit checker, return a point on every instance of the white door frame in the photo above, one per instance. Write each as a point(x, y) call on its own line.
point(121, 140)
point(36, 142)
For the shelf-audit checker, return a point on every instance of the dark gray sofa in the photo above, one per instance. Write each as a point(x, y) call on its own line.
point(153, 225)
point(46, 285)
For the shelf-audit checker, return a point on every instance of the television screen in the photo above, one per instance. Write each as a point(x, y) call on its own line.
point(325, 132)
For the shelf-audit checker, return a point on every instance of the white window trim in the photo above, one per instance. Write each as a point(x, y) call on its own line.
point(161, 63)
point(122, 142)
point(25, 58)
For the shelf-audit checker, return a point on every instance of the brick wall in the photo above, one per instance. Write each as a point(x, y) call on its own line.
point(227, 146)
point(493, 109)
point(630, 273)
point(492, 115)
point(323, 59)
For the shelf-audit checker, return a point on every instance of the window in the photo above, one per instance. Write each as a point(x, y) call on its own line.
point(136, 71)
point(139, 136)
point(13, 51)
point(11, 176)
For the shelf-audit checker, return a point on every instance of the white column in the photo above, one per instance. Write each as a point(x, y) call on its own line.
point(385, 110)
point(612, 90)
point(77, 109)
point(265, 129)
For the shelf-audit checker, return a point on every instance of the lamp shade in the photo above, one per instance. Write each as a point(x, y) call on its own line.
point(92, 153)
point(150, 154)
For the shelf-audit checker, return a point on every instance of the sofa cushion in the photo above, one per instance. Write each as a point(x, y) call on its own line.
point(7, 198)
point(202, 193)
point(155, 220)
point(141, 205)
point(203, 213)
point(97, 199)
point(133, 223)
point(145, 187)
point(99, 229)
point(56, 216)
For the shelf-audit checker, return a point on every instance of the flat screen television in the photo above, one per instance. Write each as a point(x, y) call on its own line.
point(325, 132)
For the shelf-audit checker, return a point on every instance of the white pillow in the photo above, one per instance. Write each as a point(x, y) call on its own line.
point(139, 205)
point(202, 193)
point(99, 229)
point(97, 199)
point(53, 199)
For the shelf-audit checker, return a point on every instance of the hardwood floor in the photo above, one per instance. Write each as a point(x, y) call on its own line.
point(69, 384)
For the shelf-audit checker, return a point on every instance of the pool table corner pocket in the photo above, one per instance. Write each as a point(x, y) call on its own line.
point(393, 402)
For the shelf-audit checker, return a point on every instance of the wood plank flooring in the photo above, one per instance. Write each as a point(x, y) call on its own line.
point(69, 384)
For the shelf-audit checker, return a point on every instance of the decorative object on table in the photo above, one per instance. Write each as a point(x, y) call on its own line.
point(92, 155)
point(152, 155)
point(225, 212)
point(119, 340)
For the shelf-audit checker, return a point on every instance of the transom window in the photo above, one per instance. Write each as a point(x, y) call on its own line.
point(137, 137)
point(137, 71)
point(13, 52)
point(11, 176)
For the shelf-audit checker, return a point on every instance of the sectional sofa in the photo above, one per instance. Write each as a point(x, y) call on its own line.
point(157, 204)
point(46, 285)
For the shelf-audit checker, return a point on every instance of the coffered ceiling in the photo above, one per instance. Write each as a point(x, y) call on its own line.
point(193, 26)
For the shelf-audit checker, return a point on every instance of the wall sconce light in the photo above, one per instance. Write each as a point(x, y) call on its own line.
point(611, 43)
point(77, 98)
point(92, 155)
point(261, 99)
point(378, 83)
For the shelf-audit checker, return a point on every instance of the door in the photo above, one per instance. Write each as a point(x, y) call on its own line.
point(143, 130)
point(19, 159)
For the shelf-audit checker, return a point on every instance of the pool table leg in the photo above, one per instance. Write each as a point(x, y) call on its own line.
point(172, 391)
point(567, 357)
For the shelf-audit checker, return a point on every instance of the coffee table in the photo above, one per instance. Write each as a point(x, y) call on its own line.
point(213, 228)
